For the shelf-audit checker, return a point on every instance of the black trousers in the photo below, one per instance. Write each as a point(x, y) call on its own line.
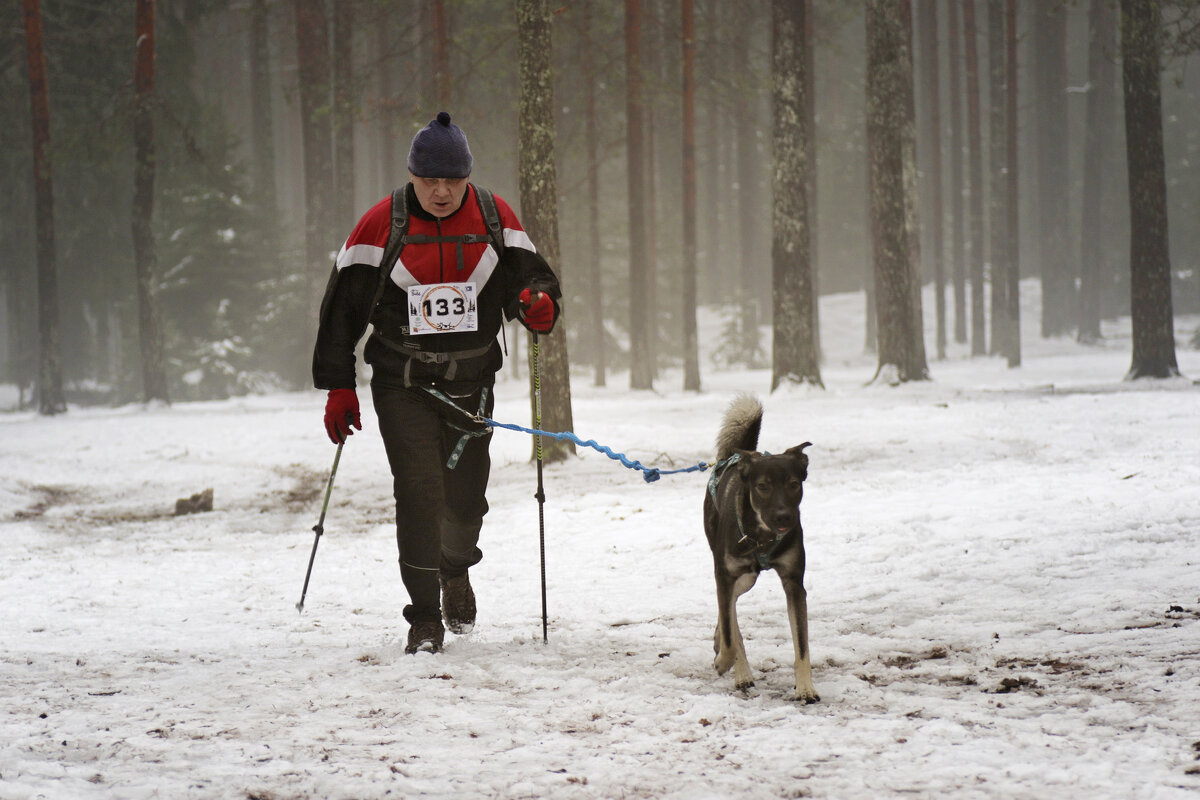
point(439, 510)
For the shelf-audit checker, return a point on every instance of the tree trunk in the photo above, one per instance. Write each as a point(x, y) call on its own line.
point(1054, 263)
point(691, 345)
point(997, 237)
point(1149, 257)
point(595, 286)
point(975, 161)
point(794, 352)
point(312, 50)
point(889, 114)
point(539, 206)
point(154, 376)
point(641, 366)
point(50, 385)
point(343, 114)
point(262, 118)
point(927, 27)
point(957, 188)
point(1097, 138)
point(1012, 326)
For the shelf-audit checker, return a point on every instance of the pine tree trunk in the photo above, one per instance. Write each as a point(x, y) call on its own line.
point(539, 206)
point(691, 345)
point(641, 366)
point(154, 376)
point(1096, 142)
point(889, 121)
point(958, 255)
point(595, 286)
point(262, 122)
point(997, 217)
point(794, 358)
point(975, 161)
point(343, 114)
point(1012, 321)
point(927, 28)
point(1149, 257)
point(312, 50)
point(49, 385)
point(1054, 263)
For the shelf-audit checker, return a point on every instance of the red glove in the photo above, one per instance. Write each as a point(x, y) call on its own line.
point(537, 310)
point(341, 411)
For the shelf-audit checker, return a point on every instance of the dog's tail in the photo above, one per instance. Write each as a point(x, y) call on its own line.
point(739, 429)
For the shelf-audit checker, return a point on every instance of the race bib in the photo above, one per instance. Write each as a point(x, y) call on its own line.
point(442, 308)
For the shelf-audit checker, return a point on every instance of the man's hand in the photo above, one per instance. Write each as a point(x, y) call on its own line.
point(341, 411)
point(537, 310)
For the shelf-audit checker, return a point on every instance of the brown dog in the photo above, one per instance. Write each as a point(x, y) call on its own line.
point(752, 521)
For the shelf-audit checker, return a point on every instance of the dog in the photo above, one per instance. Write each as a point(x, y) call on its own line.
point(752, 522)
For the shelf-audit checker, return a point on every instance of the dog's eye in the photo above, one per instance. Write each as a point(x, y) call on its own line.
point(795, 485)
point(763, 487)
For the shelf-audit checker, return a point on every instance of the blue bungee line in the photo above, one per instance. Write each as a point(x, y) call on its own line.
point(649, 474)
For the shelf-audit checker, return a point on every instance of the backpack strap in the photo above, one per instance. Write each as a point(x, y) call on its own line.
point(397, 238)
point(491, 218)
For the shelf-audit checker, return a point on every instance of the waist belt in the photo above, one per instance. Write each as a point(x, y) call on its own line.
point(414, 353)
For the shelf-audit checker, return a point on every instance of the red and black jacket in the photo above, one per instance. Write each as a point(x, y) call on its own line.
point(457, 361)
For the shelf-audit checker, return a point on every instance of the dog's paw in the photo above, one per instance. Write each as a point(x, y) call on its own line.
point(723, 662)
point(807, 695)
point(744, 686)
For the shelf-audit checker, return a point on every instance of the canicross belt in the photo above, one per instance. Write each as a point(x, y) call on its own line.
point(414, 353)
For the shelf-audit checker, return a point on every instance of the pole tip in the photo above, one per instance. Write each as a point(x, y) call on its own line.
point(300, 607)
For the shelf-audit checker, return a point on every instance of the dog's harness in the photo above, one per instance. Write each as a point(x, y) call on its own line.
point(762, 555)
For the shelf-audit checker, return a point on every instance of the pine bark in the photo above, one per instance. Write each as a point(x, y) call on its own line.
point(154, 376)
point(50, 385)
point(997, 217)
point(1097, 139)
point(975, 176)
point(597, 336)
point(312, 46)
point(1054, 263)
point(958, 236)
point(691, 345)
point(1012, 326)
point(262, 122)
point(539, 207)
point(794, 352)
point(927, 30)
point(889, 122)
point(1149, 256)
point(641, 365)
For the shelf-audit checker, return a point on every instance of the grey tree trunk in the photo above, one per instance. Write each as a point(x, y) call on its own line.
point(1149, 257)
point(595, 286)
point(539, 207)
point(997, 217)
point(958, 255)
point(1054, 262)
point(641, 320)
point(262, 122)
point(154, 375)
point(1097, 139)
point(889, 122)
point(312, 46)
point(343, 103)
point(691, 344)
point(49, 385)
point(794, 352)
point(1012, 316)
point(927, 29)
point(975, 170)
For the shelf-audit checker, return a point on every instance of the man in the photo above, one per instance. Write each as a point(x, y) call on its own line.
point(434, 354)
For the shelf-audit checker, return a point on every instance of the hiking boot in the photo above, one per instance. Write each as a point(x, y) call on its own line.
point(458, 602)
point(425, 637)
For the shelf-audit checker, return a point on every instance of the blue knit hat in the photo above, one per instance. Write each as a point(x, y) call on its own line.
point(439, 150)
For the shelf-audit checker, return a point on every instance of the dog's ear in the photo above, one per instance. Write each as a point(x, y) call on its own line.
point(798, 453)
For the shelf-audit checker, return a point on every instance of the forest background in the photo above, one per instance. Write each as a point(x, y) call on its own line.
point(237, 278)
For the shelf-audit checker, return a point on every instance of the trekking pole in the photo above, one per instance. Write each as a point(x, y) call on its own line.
point(319, 528)
point(541, 493)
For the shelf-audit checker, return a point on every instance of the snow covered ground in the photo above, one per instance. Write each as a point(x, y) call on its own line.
point(1004, 589)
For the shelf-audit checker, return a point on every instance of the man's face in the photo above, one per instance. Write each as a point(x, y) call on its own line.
point(439, 196)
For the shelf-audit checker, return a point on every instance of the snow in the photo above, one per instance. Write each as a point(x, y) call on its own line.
point(1003, 595)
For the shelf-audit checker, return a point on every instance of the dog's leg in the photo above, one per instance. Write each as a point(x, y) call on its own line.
point(731, 650)
point(797, 605)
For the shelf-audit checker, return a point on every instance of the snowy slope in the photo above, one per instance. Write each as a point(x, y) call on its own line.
point(1004, 589)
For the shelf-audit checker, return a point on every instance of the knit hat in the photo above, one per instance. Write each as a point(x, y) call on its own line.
point(439, 150)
